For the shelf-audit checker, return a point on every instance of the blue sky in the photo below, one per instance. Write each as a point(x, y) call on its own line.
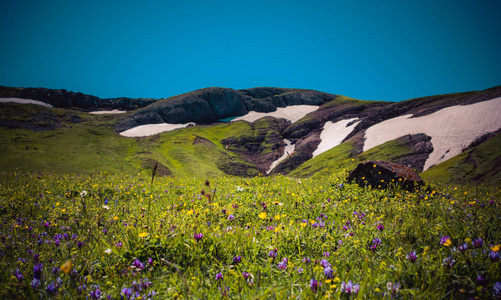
point(373, 50)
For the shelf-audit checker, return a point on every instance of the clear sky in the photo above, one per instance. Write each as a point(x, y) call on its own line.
point(366, 49)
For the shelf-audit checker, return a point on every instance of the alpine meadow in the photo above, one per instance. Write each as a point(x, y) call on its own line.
point(262, 193)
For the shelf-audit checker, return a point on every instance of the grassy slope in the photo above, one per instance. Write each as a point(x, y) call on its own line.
point(198, 150)
point(92, 146)
point(477, 164)
point(87, 147)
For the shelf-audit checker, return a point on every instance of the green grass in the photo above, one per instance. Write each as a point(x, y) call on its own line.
point(67, 236)
point(92, 146)
point(479, 164)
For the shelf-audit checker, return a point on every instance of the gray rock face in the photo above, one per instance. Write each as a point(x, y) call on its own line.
point(212, 104)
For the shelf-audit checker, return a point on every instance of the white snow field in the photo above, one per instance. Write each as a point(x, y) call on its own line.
point(24, 101)
point(107, 112)
point(451, 129)
point(152, 129)
point(333, 134)
point(288, 150)
point(291, 113)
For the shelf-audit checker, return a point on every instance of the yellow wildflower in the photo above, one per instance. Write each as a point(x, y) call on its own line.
point(67, 267)
point(262, 215)
point(496, 248)
point(143, 234)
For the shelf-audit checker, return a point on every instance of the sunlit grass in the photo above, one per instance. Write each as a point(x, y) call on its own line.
point(266, 237)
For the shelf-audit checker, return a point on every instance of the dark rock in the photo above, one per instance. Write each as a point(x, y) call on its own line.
point(212, 104)
point(384, 174)
point(262, 144)
point(420, 147)
point(149, 164)
point(303, 151)
point(75, 119)
point(64, 99)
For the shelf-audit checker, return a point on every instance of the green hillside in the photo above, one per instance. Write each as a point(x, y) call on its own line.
point(480, 164)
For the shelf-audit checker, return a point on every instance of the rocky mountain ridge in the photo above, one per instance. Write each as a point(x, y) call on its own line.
point(266, 138)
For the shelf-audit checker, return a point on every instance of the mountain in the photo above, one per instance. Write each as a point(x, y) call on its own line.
point(450, 138)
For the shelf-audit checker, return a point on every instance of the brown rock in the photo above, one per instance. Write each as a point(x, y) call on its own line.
point(384, 174)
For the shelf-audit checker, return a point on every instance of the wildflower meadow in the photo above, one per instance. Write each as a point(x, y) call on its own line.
point(110, 236)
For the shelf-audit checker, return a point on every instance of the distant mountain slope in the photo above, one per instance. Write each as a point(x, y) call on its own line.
point(69, 139)
point(65, 99)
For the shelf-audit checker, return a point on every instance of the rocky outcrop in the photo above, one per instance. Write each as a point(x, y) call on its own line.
point(384, 174)
point(262, 145)
point(43, 120)
point(65, 99)
point(212, 104)
point(420, 147)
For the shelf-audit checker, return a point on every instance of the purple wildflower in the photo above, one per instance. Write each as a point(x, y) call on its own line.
point(145, 283)
point(150, 261)
point(463, 247)
point(314, 285)
point(299, 270)
point(480, 280)
point(37, 270)
point(219, 276)
point(325, 263)
point(19, 276)
point(449, 261)
point(283, 264)
point(349, 288)
point(497, 288)
point(306, 260)
point(380, 227)
point(494, 256)
point(328, 272)
point(478, 243)
point(35, 283)
point(51, 288)
point(273, 253)
point(326, 254)
point(246, 275)
point(237, 259)
point(138, 264)
point(127, 293)
point(198, 237)
point(393, 288)
point(412, 257)
point(231, 217)
point(81, 288)
point(375, 242)
point(95, 294)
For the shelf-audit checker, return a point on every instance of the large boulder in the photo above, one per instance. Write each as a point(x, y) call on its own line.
point(384, 174)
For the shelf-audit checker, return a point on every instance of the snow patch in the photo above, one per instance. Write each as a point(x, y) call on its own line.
point(107, 112)
point(333, 134)
point(451, 129)
point(288, 150)
point(292, 113)
point(24, 101)
point(152, 129)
